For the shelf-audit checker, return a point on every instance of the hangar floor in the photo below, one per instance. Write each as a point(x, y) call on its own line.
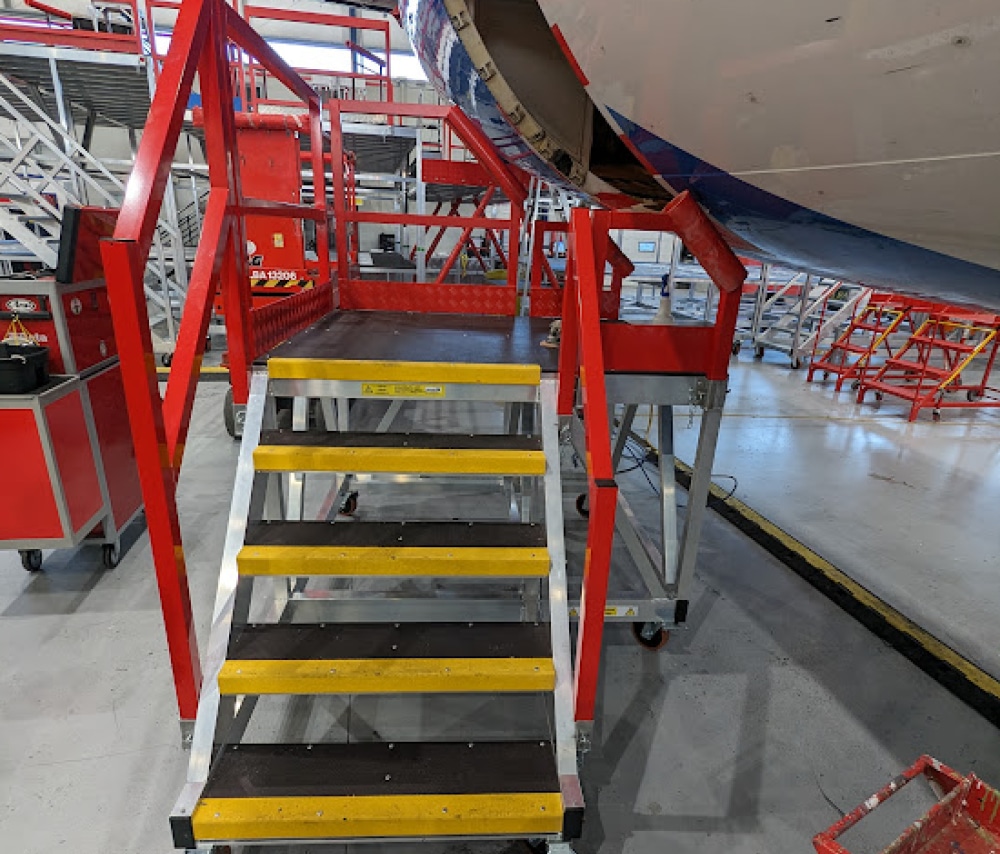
point(771, 714)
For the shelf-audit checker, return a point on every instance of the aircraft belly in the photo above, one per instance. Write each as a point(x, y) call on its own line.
point(881, 115)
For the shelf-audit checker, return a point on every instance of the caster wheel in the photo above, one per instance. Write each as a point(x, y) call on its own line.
point(31, 559)
point(796, 363)
point(582, 502)
point(972, 395)
point(936, 414)
point(855, 385)
point(879, 395)
point(650, 640)
point(167, 359)
point(758, 352)
point(826, 375)
point(737, 346)
point(536, 846)
point(208, 343)
point(110, 555)
point(350, 505)
point(229, 413)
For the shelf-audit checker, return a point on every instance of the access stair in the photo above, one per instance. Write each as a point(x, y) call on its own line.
point(272, 639)
point(870, 331)
point(804, 315)
point(928, 371)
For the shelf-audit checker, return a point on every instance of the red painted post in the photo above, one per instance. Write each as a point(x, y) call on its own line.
point(224, 172)
point(339, 208)
point(186, 365)
point(569, 346)
point(319, 193)
point(588, 236)
point(124, 270)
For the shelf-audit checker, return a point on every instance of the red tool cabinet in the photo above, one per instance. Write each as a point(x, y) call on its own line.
point(69, 470)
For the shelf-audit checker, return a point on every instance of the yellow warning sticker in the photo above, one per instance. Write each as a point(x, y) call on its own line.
point(630, 612)
point(401, 390)
point(611, 612)
point(574, 612)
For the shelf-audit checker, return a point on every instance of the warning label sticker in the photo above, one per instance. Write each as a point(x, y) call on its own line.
point(401, 390)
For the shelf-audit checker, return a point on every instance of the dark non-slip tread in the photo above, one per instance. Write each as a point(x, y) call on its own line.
point(346, 641)
point(428, 441)
point(397, 534)
point(380, 768)
point(424, 337)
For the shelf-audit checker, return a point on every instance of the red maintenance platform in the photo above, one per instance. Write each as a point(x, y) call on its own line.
point(70, 471)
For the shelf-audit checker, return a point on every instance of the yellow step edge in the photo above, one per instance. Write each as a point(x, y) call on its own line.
point(386, 676)
point(431, 562)
point(286, 458)
point(359, 370)
point(399, 816)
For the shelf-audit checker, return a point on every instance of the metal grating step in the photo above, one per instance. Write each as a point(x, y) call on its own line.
point(386, 658)
point(270, 792)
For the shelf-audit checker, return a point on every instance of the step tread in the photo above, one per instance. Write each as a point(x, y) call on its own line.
point(368, 641)
point(421, 441)
point(392, 372)
point(917, 368)
point(360, 769)
point(376, 790)
point(944, 344)
point(397, 534)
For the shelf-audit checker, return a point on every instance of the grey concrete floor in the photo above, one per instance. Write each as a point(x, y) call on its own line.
point(755, 727)
point(908, 510)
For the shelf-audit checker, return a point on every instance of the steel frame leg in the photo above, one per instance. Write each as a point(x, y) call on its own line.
point(701, 482)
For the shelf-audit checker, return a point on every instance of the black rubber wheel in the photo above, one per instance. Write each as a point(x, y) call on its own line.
point(166, 359)
point(826, 375)
point(758, 352)
point(350, 505)
point(796, 363)
point(656, 641)
point(936, 414)
point(110, 555)
point(31, 559)
point(229, 413)
point(972, 395)
point(737, 346)
point(581, 505)
point(855, 385)
point(879, 395)
point(536, 846)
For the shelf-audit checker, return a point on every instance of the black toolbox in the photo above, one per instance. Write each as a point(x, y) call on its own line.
point(23, 367)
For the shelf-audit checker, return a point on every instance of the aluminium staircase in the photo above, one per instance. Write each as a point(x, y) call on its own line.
point(43, 168)
point(300, 615)
point(806, 315)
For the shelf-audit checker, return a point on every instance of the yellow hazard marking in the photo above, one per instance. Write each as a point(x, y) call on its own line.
point(300, 284)
point(401, 390)
point(289, 458)
point(860, 594)
point(435, 562)
point(610, 612)
point(409, 816)
point(365, 371)
point(386, 675)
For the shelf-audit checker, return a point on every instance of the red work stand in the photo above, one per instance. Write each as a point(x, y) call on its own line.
point(662, 366)
point(965, 819)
